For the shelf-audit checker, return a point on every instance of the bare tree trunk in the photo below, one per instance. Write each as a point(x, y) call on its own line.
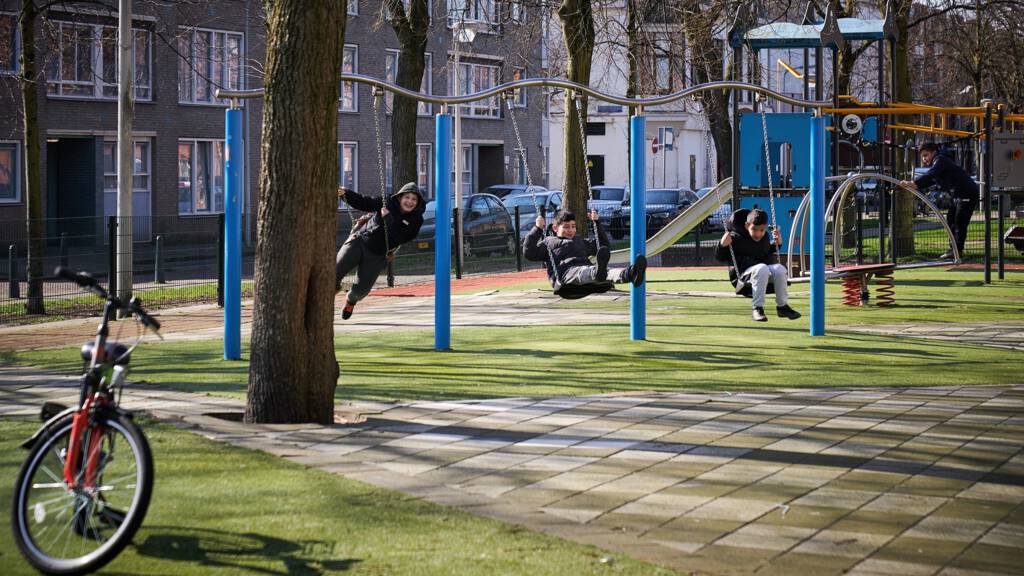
point(411, 30)
point(708, 60)
point(903, 214)
point(29, 82)
point(293, 371)
point(578, 31)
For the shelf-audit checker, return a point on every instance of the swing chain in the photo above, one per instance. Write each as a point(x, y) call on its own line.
point(768, 160)
point(578, 98)
point(378, 95)
point(522, 150)
point(706, 124)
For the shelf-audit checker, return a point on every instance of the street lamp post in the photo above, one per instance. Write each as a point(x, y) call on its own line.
point(462, 32)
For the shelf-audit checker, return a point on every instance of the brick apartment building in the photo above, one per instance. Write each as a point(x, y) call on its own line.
point(183, 52)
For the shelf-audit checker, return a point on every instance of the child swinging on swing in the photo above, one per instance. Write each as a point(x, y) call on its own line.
point(757, 261)
point(375, 238)
point(566, 256)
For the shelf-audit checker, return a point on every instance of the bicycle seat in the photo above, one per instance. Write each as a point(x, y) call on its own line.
point(112, 350)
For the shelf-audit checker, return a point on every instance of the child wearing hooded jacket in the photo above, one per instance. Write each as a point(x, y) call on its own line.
point(571, 254)
point(757, 262)
point(369, 248)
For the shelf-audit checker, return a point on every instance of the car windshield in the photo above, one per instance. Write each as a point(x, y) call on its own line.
point(661, 197)
point(525, 201)
point(431, 207)
point(609, 194)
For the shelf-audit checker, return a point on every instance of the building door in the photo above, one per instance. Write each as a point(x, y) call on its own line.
point(492, 166)
point(72, 189)
point(596, 166)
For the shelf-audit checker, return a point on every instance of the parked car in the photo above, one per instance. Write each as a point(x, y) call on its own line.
point(486, 226)
point(502, 190)
point(606, 200)
point(702, 192)
point(716, 222)
point(663, 204)
point(549, 200)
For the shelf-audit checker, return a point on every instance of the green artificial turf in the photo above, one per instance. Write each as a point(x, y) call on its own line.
point(693, 343)
point(217, 509)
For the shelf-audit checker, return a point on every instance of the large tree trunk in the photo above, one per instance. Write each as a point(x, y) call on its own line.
point(578, 31)
point(411, 30)
point(903, 214)
point(293, 371)
point(708, 61)
point(30, 83)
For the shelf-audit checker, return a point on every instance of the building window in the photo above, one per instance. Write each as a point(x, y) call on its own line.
point(476, 78)
point(200, 176)
point(10, 172)
point(140, 173)
point(596, 129)
point(424, 167)
point(8, 43)
point(348, 160)
point(209, 59)
point(472, 11)
point(426, 84)
point(85, 61)
point(521, 166)
point(467, 171)
point(664, 71)
point(516, 11)
point(353, 8)
point(388, 163)
point(519, 94)
point(349, 93)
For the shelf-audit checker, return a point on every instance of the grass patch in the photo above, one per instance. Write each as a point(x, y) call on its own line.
point(694, 343)
point(217, 509)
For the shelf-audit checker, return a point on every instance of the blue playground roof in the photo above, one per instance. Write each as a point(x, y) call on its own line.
point(790, 35)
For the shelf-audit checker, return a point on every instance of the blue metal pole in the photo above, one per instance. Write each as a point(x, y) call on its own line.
point(637, 223)
point(443, 233)
point(817, 216)
point(233, 153)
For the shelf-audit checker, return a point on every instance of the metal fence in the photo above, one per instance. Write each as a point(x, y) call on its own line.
point(179, 260)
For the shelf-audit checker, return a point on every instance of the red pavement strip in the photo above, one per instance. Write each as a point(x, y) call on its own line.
point(485, 282)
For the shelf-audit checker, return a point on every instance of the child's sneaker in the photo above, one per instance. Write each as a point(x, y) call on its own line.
point(787, 312)
point(346, 312)
point(603, 255)
point(637, 271)
point(758, 314)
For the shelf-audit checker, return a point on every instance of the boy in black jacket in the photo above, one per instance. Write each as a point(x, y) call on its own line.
point(943, 171)
point(757, 263)
point(368, 248)
point(571, 254)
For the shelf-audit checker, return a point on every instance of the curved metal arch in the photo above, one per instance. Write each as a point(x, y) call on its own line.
point(554, 83)
point(839, 197)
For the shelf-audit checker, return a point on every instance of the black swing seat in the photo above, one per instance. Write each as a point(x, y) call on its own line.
point(738, 221)
point(577, 291)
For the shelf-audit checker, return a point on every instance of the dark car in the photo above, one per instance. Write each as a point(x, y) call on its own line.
point(663, 204)
point(486, 226)
point(549, 200)
point(502, 190)
point(606, 200)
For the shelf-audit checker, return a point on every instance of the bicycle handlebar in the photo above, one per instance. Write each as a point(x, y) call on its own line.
point(85, 280)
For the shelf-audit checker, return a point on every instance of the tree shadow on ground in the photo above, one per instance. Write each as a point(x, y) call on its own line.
point(212, 549)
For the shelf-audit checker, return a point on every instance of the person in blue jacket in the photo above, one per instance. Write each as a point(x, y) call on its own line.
point(942, 170)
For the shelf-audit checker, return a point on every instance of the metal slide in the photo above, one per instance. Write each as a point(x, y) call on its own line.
point(682, 224)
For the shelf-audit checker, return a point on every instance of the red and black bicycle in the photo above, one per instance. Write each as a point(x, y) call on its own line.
point(84, 489)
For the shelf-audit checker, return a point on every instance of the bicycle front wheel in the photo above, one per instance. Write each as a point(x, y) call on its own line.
point(75, 529)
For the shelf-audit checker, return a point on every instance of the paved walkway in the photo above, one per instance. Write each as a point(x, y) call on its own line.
point(866, 482)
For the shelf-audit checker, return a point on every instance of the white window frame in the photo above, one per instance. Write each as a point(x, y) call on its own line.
point(191, 66)
point(194, 172)
point(425, 179)
point(353, 85)
point(354, 146)
point(55, 86)
point(519, 94)
point(467, 169)
point(15, 44)
point(15, 171)
point(522, 158)
point(488, 108)
point(149, 164)
point(426, 83)
point(352, 8)
point(481, 11)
